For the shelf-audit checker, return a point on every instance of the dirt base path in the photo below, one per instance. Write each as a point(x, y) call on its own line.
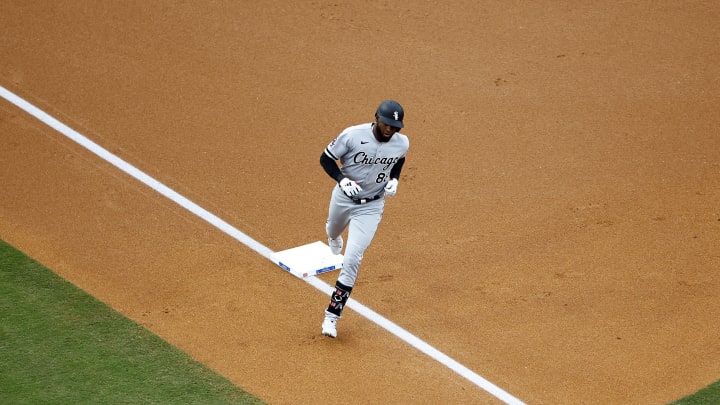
point(555, 230)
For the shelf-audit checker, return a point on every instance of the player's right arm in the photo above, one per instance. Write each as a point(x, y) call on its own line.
point(333, 152)
point(331, 167)
point(349, 187)
point(328, 160)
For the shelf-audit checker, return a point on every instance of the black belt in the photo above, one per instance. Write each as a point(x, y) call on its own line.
point(366, 200)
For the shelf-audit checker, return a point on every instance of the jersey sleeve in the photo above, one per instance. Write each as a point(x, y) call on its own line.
point(406, 144)
point(339, 146)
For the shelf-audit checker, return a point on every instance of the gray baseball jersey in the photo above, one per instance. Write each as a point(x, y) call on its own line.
point(366, 160)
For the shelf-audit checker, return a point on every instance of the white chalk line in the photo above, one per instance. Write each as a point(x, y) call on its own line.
point(246, 240)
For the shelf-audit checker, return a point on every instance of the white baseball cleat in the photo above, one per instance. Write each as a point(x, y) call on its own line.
point(328, 326)
point(335, 244)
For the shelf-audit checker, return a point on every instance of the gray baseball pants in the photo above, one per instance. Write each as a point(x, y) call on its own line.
point(362, 222)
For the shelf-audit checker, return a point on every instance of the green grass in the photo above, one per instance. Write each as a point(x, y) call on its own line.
point(707, 396)
point(58, 345)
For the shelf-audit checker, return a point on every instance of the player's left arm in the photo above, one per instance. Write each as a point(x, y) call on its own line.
point(397, 168)
point(392, 185)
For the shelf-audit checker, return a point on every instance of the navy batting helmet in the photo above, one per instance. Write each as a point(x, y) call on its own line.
point(390, 113)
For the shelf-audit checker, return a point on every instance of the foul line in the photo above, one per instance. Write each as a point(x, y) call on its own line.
point(264, 251)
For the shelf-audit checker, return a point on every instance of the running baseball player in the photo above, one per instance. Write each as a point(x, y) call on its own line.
point(371, 156)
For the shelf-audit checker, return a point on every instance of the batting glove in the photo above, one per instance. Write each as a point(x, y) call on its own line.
point(391, 187)
point(349, 187)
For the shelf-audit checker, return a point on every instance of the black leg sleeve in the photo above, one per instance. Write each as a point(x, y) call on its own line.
point(339, 298)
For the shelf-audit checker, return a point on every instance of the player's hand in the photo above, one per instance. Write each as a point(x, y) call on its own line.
point(349, 187)
point(391, 188)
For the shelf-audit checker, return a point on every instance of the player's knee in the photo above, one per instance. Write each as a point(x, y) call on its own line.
point(352, 259)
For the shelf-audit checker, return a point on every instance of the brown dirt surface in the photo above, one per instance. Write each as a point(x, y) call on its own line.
point(556, 228)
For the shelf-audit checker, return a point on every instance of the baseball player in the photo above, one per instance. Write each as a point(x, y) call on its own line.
point(371, 156)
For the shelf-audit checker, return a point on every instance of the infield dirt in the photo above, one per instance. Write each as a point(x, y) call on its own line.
point(555, 228)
